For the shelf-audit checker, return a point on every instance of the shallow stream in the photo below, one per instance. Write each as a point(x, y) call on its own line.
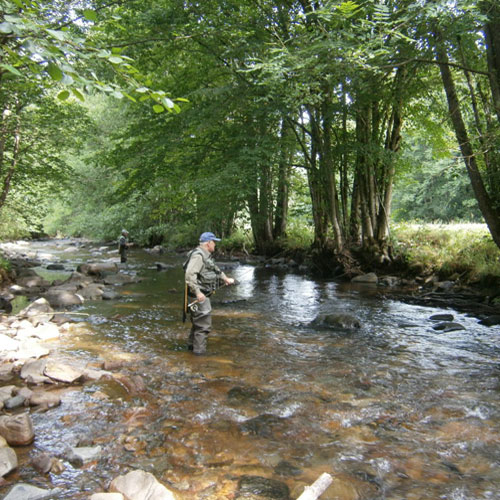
point(392, 410)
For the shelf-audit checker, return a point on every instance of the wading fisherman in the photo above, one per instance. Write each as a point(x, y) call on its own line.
point(123, 245)
point(202, 279)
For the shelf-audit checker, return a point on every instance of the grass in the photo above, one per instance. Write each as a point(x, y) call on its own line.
point(464, 251)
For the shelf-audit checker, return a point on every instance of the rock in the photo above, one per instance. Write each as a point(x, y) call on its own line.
point(5, 305)
point(285, 468)
point(160, 266)
point(119, 279)
point(45, 398)
point(140, 485)
point(442, 317)
point(445, 285)
point(256, 486)
point(32, 282)
point(110, 295)
point(265, 425)
point(29, 349)
point(448, 326)
point(345, 321)
point(133, 385)
point(491, 320)
point(8, 344)
point(93, 291)
point(61, 372)
point(107, 496)
point(83, 454)
point(32, 371)
point(17, 430)
point(23, 491)
point(62, 298)
point(99, 269)
point(6, 392)
point(37, 312)
point(55, 267)
point(8, 460)
point(366, 278)
point(14, 402)
point(42, 463)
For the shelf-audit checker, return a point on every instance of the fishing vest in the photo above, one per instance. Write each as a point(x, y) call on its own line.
point(209, 274)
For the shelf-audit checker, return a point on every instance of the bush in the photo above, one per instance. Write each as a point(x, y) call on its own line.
point(466, 250)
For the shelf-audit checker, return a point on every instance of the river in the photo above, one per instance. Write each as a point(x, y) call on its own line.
point(392, 410)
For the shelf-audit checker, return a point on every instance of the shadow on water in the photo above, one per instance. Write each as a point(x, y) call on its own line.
point(392, 409)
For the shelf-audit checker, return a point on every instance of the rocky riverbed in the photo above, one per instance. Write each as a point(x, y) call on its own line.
point(64, 411)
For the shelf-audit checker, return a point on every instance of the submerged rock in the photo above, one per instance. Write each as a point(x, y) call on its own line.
point(261, 488)
point(345, 321)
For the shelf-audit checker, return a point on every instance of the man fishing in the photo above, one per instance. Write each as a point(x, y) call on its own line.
point(202, 278)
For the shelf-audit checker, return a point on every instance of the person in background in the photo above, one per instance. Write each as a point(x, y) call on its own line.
point(202, 279)
point(123, 245)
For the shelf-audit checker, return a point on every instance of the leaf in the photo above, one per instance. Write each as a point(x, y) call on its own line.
point(115, 59)
point(90, 15)
point(158, 108)
point(142, 90)
point(117, 94)
point(167, 103)
point(11, 69)
point(60, 35)
point(63, 95)
point(55, 72)
point(129, 97)
point(78, 94)
point(182, 99)
point(6, 27)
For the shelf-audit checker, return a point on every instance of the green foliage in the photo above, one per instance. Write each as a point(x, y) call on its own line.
point(464, 250)
point(430, 188)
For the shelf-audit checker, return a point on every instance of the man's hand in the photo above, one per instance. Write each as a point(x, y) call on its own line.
point(200, 297)
point(229, 281)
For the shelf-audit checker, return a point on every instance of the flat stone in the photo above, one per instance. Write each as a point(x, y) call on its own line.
point(140, 485)
point(32, 371)
point(23, 491)
point(84, 454)
point(62, 373)
point(8, 343)
point(8, 460)
point(107, 496)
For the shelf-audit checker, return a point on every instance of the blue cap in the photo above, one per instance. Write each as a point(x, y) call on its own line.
point(208, 237)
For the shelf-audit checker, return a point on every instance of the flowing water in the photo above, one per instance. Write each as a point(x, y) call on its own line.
point(392, 410)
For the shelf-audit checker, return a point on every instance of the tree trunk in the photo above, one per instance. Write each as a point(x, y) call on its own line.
point(281, 212)
point(490, 214)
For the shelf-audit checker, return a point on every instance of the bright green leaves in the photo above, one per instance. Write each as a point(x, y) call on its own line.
point(55, 72)
point(90, 15)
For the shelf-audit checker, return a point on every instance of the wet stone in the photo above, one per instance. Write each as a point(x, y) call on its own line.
point(24, 491)
point(448, 326)
point(14, 402)
point(245, 395)
point(442, 317)
point(285, 468)
point(263, 425)
point(260, 488)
